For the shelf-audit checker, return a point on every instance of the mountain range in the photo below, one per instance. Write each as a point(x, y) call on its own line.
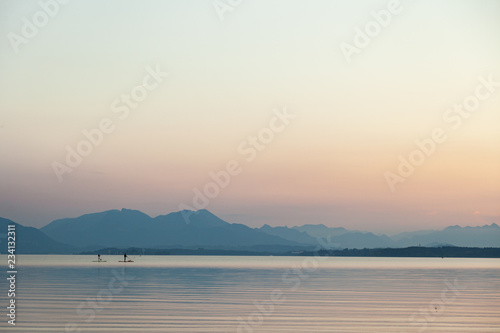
point(201, 229)
point(31, 240)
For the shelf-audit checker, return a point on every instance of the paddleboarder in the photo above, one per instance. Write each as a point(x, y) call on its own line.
point(125, 257)
point(98, 257)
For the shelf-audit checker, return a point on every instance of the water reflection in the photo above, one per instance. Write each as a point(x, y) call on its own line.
point(234, 295)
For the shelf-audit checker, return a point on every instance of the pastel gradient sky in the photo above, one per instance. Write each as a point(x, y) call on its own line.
point(353, 119)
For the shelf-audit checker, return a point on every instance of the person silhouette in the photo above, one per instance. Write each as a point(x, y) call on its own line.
point(124, 257)
point(98, 257)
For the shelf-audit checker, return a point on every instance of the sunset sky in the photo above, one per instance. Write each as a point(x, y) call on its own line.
point(231, 69)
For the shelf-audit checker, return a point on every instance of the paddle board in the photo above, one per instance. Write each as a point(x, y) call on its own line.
point(99, 261)
point(126, 261)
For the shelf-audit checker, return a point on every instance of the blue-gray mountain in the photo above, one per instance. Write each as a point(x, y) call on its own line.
point(191, 230)
point(483, 236)
point(30, 240)
point(131, 228)
point(342, 238)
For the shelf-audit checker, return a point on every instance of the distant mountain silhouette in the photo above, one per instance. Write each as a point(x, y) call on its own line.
point(31, 240)
point(203, 230)
point(131, 228)
point(291, 234)
point(320, 230)
point(483, 236)
point(344, 238)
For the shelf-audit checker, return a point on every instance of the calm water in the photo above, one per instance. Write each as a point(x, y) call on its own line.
point(254, 294)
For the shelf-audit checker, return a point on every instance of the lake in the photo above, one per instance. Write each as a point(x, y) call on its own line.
point(253, 294)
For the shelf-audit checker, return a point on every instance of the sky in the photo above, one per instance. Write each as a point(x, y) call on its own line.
point(371, 115)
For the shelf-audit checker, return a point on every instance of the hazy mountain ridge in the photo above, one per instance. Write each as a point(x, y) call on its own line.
point(339, 237)
point(409, 234)
point(201, 229)
point(291, 234)
point(128, 228)
point(30, 240)
point(481, 236)
point(321, 230)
